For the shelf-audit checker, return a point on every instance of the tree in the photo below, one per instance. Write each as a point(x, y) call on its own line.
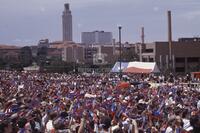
point(2, 63)
point(42, 55)
point(26, 56)
point(129, 55)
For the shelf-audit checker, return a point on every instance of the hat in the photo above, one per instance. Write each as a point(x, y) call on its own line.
point(124, 101)
point(109, 98)
point(180, 106)
point(156, 113)
point(127, 98)
point(21, 95)
point(13, 100)
point(13, 116)
point(43, 103)
point(23, 106)
point(141, 101)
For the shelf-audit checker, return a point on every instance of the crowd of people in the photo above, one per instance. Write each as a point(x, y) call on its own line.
point(96, 103)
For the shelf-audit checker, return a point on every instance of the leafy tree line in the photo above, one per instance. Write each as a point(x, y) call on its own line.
point(53, 64)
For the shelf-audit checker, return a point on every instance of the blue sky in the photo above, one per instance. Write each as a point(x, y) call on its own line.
point(25, 22)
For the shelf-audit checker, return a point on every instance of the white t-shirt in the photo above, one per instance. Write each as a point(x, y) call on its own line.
point(186, 125)
point(198, 104)
point(49, 126)
point(169, 130)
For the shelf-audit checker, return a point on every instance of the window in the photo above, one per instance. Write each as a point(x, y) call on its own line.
point(150, 59)
point(148, 50)
point(144, 59)
point(180, 60)
point(193, 59)
point(180, 69)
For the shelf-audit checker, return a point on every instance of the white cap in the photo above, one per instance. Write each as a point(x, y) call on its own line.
point(169, 130)
point(127, 98)
point(141, 101)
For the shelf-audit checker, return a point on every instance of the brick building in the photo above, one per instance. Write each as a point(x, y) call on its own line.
point(185, 55)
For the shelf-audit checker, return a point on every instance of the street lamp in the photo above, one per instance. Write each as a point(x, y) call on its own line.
point(120, 53)
point(74, 58)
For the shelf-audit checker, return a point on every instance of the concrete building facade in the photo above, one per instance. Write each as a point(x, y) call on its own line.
point(96, 55)
point(100, 55)
point(73, 53)
point(96, 37)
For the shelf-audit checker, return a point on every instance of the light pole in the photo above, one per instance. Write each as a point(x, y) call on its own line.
point(74, 59)
point(120, 53)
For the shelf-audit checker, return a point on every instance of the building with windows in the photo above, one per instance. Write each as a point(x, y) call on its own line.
point(73, 53)
point(96, 37)
point(10, 54)
point(185, 55)
point(43, 43)
point(100, 55)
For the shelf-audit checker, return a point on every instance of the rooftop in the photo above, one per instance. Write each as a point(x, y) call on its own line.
point(5, 46)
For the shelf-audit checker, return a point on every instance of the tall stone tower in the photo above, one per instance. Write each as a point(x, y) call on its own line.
point(67, 23)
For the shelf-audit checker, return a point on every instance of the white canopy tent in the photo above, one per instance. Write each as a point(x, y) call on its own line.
point(136, 67)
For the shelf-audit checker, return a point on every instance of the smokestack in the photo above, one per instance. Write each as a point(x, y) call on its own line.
point(170, 37)
point(141, 46)
point(114, 43)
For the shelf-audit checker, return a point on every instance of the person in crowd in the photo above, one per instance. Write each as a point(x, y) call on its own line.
point(96, 103)
point(5, 127)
